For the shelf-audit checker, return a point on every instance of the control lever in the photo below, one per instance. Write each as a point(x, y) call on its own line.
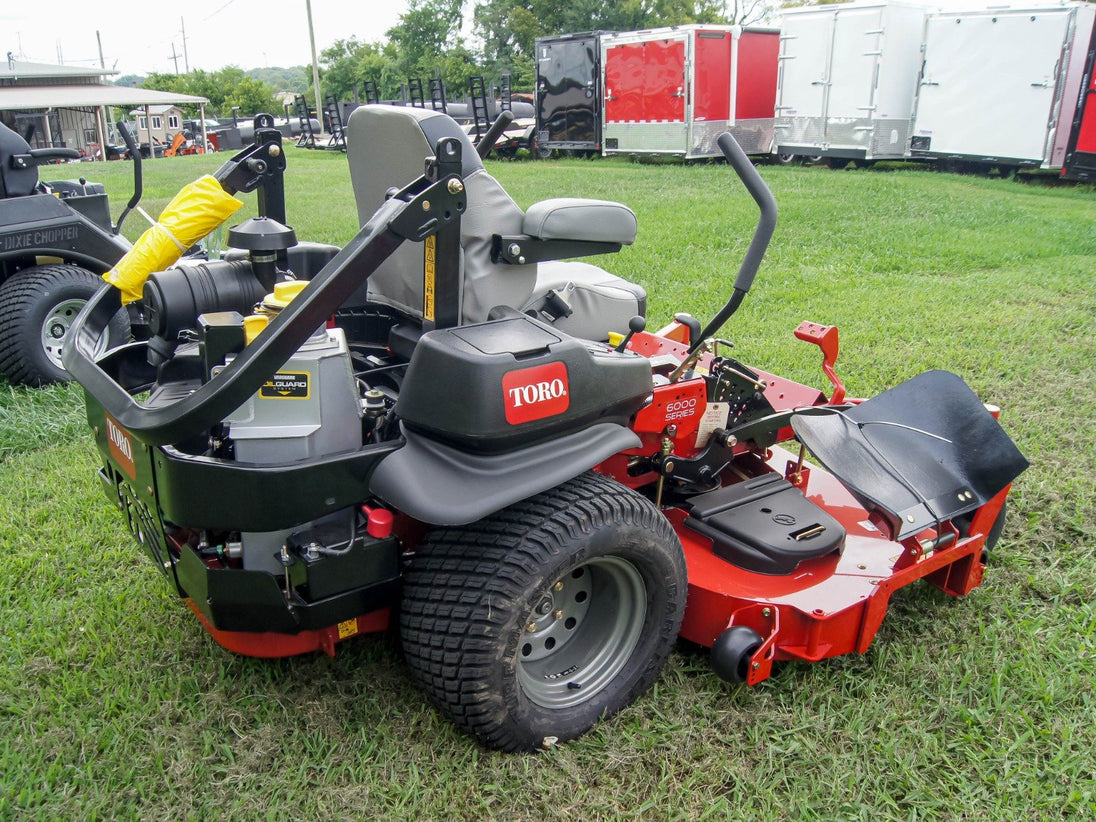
point(635, 326)
point(693, 324)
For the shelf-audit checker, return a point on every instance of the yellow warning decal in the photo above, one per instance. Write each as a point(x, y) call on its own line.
point(348, 628)
point(429, 272)
point(286, 385)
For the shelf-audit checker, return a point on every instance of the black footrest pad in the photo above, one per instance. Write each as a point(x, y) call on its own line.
point(765, 525)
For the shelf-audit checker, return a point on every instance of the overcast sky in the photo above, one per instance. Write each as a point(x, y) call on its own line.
point(246, 33)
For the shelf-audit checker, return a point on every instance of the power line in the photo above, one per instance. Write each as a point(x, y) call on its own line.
point(218, 11)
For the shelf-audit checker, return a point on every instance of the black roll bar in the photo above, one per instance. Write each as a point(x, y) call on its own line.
point(766, 224)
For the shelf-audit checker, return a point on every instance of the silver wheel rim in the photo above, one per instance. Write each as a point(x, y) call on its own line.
point(55, 328)
point(581, 632)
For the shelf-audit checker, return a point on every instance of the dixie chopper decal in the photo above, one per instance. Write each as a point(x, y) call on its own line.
point(535, 393)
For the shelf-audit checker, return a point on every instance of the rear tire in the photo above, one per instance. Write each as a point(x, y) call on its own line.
point(531, 625)
point(37, 308)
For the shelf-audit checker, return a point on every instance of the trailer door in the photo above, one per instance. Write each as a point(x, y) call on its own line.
point(712, 73)
point(805, 41)
point(645, 82)
point(989, 83)
point(624, 83)
point(567, 92)
point(854, 69)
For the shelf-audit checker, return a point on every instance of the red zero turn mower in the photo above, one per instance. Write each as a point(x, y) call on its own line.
point(432, 427)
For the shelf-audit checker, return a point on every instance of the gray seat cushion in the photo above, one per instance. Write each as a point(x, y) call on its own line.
point(571, 218)
point(601, 302)
point(386, 146)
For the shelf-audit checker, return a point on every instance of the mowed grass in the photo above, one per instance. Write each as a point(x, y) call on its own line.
point(115, 704)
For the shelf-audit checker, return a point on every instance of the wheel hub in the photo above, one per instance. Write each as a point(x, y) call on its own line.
point(582, 632)
point(56, 327)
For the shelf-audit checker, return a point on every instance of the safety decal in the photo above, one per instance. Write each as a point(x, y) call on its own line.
point(286, 386)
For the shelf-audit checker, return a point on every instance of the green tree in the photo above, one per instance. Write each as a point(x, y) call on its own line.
point(427, 30)
point(224, 88)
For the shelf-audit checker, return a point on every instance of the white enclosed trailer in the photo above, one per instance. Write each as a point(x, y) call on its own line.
point(847, 80)
point(1000, 86)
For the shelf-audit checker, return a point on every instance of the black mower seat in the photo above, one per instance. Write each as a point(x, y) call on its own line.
point(19, 163)
point(386, 146)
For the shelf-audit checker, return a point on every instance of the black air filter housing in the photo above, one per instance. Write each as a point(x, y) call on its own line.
point(502, 385)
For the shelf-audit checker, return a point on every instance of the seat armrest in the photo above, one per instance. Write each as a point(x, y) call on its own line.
point(570, 218)
point(37, 156)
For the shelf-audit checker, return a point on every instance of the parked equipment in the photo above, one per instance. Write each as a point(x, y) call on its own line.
point(1000, 86)
point(56, 240)
point(673, 91)
point(545, 505)
point(848, 76)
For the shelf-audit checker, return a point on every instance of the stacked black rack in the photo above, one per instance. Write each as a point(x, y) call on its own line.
point(307, 137)
point(437, 95)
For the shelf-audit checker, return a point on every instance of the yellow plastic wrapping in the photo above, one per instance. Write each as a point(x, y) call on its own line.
point(196, 210)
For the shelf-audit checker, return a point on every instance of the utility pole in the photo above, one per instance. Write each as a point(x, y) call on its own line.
point(175, 57)
point(315, 65)
point(186, 58)
point(107, 114)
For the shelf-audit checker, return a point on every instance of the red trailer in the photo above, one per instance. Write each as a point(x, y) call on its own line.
point(673, 91)
point(1080, 162)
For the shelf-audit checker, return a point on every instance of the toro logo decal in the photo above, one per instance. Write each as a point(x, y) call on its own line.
point(535, 393)
point(120, 444)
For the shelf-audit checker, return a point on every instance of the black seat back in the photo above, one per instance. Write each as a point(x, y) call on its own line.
point(15, 181)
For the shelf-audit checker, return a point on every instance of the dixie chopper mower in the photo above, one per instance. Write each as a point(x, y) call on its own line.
point(433, 428)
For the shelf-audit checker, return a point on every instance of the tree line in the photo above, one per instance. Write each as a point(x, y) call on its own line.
point(428, 42)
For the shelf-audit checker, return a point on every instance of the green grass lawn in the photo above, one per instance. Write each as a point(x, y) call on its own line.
point(115, 703)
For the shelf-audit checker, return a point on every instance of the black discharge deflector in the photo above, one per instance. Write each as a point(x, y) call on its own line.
point(765, 525)
point(922, 452)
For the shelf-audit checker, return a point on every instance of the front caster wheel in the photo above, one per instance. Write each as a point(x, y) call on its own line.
point(732, 651)
point(531, 625)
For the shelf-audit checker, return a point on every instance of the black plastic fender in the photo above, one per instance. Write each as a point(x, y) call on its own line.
point(44, 225)
point(442, 485)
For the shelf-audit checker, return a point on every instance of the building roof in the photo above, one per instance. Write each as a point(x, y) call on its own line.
point(161, 108)
point(21, 98)
point(22, 70)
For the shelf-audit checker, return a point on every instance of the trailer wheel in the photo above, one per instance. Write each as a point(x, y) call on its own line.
point(538, 151)
point(37, 308)
point(531, 625)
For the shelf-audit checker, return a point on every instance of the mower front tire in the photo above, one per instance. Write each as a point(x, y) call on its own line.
point(37, 308)
point(531, 625)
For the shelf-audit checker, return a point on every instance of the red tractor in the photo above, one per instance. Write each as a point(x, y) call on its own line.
point(432, 429)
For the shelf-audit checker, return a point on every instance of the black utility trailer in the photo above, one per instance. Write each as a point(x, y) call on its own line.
point(569, 96)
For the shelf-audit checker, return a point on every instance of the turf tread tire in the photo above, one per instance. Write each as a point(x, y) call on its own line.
point(25, 299)
point(470, 589)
